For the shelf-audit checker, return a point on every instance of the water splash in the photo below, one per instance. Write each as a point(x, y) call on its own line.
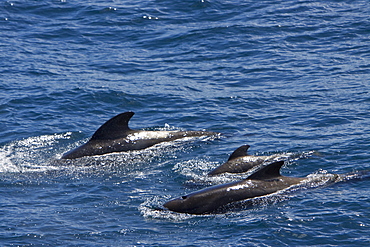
point(152, 208)
point(30, 154)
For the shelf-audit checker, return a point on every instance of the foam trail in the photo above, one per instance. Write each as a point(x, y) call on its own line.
point(30, 154)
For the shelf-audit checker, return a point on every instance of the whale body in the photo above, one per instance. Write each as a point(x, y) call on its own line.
point(116, 136)
point(266, 181)
point(240, 161)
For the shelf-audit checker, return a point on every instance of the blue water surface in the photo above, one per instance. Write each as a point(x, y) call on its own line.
point(282, 76)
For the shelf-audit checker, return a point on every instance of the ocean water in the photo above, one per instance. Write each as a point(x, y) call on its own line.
point(285, 77)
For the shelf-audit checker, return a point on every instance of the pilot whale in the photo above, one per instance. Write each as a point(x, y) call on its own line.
point(116, 136)
point(266, 181)
point(240, 161)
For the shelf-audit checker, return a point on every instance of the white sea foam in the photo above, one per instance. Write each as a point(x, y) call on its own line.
point(30, 154)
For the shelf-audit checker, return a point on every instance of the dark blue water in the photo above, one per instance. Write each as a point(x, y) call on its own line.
point(281, 76)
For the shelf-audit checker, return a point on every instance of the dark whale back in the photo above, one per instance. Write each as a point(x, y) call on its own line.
point(265, 181)
point(238, 162)
point(114, 128)
point(116, 136)
point(239, 152)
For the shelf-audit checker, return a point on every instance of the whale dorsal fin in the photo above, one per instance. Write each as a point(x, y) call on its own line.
point(270, 171)
point(114, 128)
point(239, 152)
